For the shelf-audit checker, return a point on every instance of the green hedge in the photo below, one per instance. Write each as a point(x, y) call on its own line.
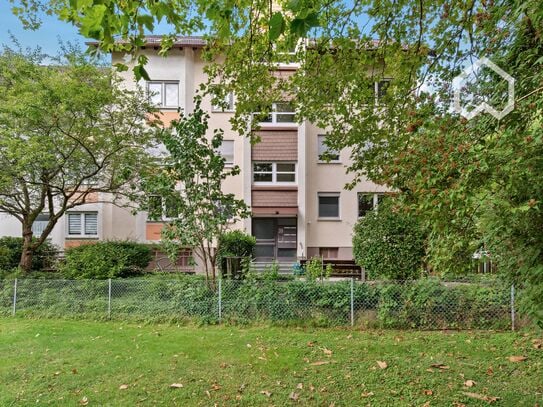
point(106, 259)
point(11, 249)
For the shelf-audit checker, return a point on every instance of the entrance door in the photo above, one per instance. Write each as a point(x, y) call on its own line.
point(276, 238)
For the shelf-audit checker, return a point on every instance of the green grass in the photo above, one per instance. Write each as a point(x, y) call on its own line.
point(62, 362)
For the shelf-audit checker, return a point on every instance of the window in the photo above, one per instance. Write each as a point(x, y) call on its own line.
point(274, 173)
point(281, 112)
point(328, 252)
point(329, 205)
point(326, 154)
point(368, 202)
point(163, 208)
point(226, 150)
point(83, 224)
point(40, 224)
point(164, 94)
point(227, 104)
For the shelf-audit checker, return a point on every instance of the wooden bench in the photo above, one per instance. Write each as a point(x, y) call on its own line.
point(341, 268)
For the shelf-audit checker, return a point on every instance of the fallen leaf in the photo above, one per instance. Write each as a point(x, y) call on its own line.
point(327, 352)
point(440, 366)
point(224, 365)
point(215, 386)
point(537, 343)
point(310, 344)
point(74, 371)
point(428, 392)
point(84, 401)
point(350, 336)
point(367, 394)
point(123, 387)
point(517, 358)
point(176, 385)
point(490, 371)
point(457, 404)
point(266, 393)
point(57, 373)
point(249, 345)
point(478, 396)
point(469, 383)
point(427, 404)
point(262, 358)
point(382, 365)
point(320, 363)
point(300, 386)
point(293, 396)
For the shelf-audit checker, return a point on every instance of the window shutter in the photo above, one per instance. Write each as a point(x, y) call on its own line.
point(91, 223)
point(74, 224)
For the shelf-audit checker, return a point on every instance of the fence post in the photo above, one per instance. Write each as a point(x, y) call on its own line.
point(512, 307)
point(220, 299)
point(352, 301)
point(14, 298)
point(109, 300)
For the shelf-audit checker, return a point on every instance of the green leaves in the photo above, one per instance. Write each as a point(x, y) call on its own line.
point(277, 26)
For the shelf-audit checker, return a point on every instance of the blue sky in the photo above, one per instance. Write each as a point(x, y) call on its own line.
point(46, 37)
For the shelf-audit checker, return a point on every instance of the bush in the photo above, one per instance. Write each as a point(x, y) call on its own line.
point(238, 245)
point(389, 244)
point(11, 249)
point(107, 259)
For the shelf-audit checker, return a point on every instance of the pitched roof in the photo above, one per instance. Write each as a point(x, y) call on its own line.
point(155, 40)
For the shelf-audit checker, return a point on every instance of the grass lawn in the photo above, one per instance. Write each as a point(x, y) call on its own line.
point(71, 363)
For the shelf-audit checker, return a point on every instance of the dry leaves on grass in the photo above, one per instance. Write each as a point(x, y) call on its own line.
point(300, 386)
point(469, 383)
point(84, 401)
point(266, 393)
point(367, 394)
point(428, 392)
point(123, 387)
point(176, 385)
point(381, 364)
point(294, 396)
point(516, 359)
point(537, 343)
point(490, 399)
point(327, 352)
point(440, 366)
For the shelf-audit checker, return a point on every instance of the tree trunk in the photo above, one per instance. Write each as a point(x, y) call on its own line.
point(26, 256)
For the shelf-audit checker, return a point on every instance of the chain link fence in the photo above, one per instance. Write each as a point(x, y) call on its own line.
point(420, 304)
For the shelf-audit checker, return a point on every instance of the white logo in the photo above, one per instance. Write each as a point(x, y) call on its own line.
point(459, 81)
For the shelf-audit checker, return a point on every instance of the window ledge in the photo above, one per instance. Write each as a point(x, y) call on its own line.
point(329, 162)
point(82, 237)
point(329, 219)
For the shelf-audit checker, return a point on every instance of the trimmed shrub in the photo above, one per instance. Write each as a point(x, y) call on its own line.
point(106, 259)
point(11, 249)
point(236, 244)
point(389, 245)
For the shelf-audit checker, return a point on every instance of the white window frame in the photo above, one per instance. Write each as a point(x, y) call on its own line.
point(320, 142)
point(274, 173)
point(274, 113)
point(375, 200)
point(82, 218)
point(329, 194)
point(163, 84)
point(227, 163)
point(229, 99)
point(163, 217)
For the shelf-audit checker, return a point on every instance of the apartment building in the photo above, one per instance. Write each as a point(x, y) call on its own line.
point(298, 202)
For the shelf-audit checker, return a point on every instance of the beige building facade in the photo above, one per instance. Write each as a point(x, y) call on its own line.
point(299, 206)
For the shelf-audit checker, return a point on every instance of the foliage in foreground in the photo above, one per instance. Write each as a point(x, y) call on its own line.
point(233, 247)
point(106, 259)
point(389, 244)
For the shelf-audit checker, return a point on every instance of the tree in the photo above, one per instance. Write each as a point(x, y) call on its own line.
point(389, 244)
point(191, 179)
point(67, 133)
